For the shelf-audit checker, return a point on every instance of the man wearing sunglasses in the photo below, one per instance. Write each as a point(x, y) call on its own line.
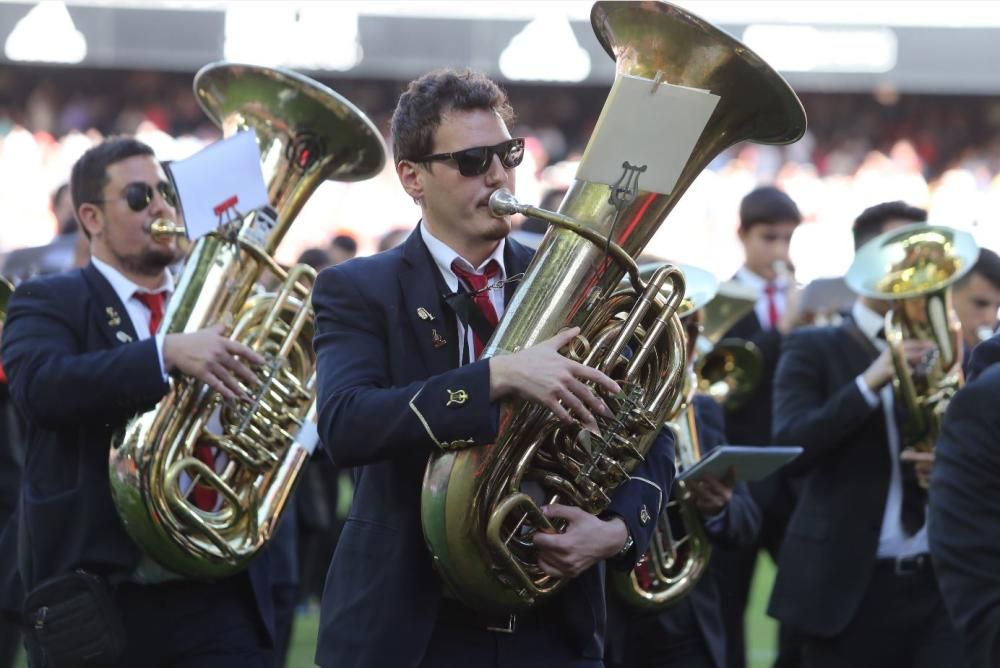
point(83, 353)
point(398, 339)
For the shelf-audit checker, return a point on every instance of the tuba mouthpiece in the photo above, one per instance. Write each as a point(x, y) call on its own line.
point(502, 203)
point(164, 228)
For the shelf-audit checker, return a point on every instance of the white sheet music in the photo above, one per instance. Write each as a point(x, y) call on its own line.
point(223, 172)
point(646, 123)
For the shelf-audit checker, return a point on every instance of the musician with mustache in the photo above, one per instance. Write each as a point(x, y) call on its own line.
point(84, 353)
point(398, 378)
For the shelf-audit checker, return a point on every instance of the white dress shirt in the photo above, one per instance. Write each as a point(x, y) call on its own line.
point(443, 257)
point(893, 541)
point(759, 284)
point(137, 312)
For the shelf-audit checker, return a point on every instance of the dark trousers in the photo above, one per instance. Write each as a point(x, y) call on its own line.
point(461, 640)
point(902, 623)
point(188, 625)
point(669, 639)
point(734, 570)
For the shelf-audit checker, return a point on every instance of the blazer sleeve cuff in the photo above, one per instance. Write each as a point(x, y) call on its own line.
point(638, 503)
point(454, 408)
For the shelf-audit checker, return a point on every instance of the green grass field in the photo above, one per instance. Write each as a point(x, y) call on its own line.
point(761, 629)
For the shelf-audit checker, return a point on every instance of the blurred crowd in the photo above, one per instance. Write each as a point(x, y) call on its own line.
point(941, 153)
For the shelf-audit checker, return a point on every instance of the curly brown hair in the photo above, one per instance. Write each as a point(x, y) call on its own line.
point(427, 99)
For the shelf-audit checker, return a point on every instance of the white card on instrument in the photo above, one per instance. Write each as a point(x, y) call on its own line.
point(646, 123)
point(220, 173)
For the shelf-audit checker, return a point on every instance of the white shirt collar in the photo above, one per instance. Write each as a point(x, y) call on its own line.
point(125, 288)
point(758, 282)
point(867, 320)
point(444, 255)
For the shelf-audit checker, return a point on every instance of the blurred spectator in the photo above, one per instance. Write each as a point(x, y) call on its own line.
point(342, 248)
point(55, 256)
point(317, 258)
point(392, 238)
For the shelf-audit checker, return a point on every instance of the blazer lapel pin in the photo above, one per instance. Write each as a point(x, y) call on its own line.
point(437, 340)
point(123, 336)
point(424, 314)
point(113, 318)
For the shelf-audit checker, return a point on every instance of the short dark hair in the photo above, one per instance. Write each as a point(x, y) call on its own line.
point(345, 242)
point(767, 204)
point(869, 224)
point(987, 266)
point(90, 172)
point(427, 99)
point(317, 258)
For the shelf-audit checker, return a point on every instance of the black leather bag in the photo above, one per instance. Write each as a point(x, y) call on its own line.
point(74, 621)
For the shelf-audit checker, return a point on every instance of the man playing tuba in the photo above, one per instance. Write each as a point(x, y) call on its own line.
point(83, 353)
point(398, 377)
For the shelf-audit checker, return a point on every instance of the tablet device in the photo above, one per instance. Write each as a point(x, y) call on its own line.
point(750, 462)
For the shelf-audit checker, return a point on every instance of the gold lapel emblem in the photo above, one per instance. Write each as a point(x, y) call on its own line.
point(113, 318)
point(424, 314)
point(437, 340)
point(123, 336)
point(458, 397)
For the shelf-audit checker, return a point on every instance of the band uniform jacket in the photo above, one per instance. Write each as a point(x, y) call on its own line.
point(77, 373)
point(830, 545)
point(964, 513)
point(386, 399)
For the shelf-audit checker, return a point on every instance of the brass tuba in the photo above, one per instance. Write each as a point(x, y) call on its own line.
point(912, 267)
point(306, 134)
point(679, 549)
point(477, 510)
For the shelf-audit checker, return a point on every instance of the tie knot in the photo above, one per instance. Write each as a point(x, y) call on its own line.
point(476, 282)
point(154, 302)
point(770, 289)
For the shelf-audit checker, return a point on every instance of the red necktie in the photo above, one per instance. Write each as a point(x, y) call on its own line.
point(477, 283)
point(772, 305)
point(154, 302)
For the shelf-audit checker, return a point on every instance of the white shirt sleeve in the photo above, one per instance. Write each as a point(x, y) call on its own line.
point(160, 338)
point(872, 399)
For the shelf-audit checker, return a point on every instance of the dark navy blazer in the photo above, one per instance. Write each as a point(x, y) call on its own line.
point(383, 389)
point(75, 382)
point(964, 513)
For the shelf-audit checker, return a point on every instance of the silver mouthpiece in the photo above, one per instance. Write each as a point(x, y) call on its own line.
point(502, 203)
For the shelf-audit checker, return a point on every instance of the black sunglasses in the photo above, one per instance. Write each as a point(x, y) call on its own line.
point(476, 161)
point(139, 195)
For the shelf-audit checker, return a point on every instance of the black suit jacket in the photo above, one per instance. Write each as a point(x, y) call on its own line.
point(964, 516)
point(75, 382)
point(383, 389)
point(832, 539)
point(983, 356)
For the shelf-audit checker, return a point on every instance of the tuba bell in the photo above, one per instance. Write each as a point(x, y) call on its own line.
point(306, 134)
point(477, 511)
point(912, 267)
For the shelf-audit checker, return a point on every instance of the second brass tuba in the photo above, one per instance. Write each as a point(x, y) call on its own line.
point(913, 267)
point(477, 507)
point(679, 550)
point(306, 134)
